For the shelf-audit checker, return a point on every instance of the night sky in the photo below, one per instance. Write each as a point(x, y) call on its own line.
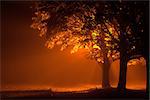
point(26, 63)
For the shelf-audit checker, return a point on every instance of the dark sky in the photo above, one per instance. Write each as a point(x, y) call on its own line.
point(26, 63)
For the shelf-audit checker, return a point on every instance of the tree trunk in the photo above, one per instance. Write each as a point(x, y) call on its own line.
point(123, 61)
point(147, 83)
point(123, 58)
point(123, 73)
point(105, 73)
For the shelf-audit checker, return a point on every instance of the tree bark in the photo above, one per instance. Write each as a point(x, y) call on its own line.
point(122, 73)
point(105, 73)
point(123, 61)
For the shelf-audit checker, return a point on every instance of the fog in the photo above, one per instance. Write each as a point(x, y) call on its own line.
point(27, 64)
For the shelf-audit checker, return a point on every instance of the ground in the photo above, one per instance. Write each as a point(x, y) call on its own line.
point(93, 93)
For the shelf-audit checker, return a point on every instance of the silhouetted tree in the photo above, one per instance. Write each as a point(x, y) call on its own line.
point(76, 24)
point(131, 18)
point(109, 30)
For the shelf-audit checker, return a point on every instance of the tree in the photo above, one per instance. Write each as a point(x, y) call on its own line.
point(109, 30)
point(131, 16)
point(75, 24)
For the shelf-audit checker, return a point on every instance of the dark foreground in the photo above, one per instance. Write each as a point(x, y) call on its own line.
point(95, 93)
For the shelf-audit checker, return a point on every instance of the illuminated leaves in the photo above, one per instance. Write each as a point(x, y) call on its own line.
point(43, 15)
point(49, 44)
point(96, 47)
point(107, 39)
point(74, 23)
point(59, 42)
point(64, 46)
point(94, 35)
point(77, 37)
point(81, 30)
point(139, 61)
point(115, 54)
point(100, 60)
point(38, 23)
point(75, 48)
point(112, 29)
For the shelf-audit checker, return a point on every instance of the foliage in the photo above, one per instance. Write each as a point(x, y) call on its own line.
point(75, 24)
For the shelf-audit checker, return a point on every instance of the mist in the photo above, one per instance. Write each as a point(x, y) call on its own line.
point(28, 64)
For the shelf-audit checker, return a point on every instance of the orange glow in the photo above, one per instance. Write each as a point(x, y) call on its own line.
point(53, 88)
point(86, 74)
point(136, 87)
point(136, 74)
point(80, 88)
point(114, 73)
point(28, 65)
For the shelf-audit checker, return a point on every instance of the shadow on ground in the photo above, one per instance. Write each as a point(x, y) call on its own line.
point(92, 93)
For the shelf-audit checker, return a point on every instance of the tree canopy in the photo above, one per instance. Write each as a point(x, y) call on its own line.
point(108, 30)
point(76, 24)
